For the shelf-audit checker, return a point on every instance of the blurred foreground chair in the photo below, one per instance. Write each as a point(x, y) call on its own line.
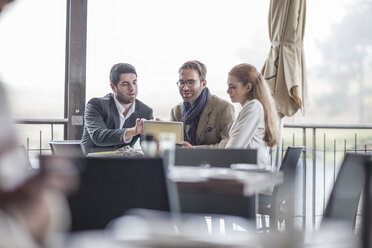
point(111, 186)
point(344, 199)
point(279, 205)
point(67, 147)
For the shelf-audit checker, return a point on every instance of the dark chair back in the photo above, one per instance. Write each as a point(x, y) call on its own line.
point(344, 199)
point(111, 186)
point(236, 205)
point(281, 206)
point(288, 167)
point(67, 147)
point(367, 207)
point(215, 157)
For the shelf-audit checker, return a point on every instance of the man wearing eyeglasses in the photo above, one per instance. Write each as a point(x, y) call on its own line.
point(116, 119)
point(207, 118)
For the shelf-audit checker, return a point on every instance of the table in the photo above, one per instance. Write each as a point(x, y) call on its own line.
point(224, 180)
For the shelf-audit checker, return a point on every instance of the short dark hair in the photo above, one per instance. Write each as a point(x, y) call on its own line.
point(119, 69)
point(197, 66)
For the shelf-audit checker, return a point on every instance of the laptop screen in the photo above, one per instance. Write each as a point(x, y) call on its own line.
point(155, 128)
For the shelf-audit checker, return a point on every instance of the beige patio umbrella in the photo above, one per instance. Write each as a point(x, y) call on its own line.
point(284, 68)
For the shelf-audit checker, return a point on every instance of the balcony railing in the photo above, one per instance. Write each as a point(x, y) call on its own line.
point(325, 146)
point(37, 144)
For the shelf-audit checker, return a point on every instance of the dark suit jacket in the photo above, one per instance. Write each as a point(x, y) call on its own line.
point(101, 124)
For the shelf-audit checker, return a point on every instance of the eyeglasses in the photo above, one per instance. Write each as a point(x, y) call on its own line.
point(189, 83)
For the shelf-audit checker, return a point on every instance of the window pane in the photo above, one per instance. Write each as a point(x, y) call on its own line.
point(338, 52)
point(157, 37)
point(32, 63)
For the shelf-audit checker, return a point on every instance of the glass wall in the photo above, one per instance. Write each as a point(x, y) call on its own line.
point(32, 65)
point(32, 61)
point(158, 36)
point(338, 50)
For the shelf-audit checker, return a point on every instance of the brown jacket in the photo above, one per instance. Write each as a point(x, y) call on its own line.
point(214, 123)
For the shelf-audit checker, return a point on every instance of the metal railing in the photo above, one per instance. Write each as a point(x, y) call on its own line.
point(315, 153)
point(319, 153)
point(49, 122)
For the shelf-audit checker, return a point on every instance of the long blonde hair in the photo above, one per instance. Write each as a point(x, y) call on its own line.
point(246, 73)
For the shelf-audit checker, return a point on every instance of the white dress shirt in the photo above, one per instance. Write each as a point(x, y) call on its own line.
point(123, 118)
point(248, 131)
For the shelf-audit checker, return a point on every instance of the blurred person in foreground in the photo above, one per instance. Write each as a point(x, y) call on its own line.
point(116, 120)
point(207, 118)
point(257, 125)
point(33, 208)
point(33, 211)
point(3, 3)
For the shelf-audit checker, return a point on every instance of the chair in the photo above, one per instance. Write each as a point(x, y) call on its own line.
point(343, 201)
point(111, 186)
point(366, 234)
point(279, 205)
point(224, 204)
point(215, 157)
point(67, 147)
point(215, 203)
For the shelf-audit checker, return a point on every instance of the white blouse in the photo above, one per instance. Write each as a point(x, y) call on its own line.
point(248, 131)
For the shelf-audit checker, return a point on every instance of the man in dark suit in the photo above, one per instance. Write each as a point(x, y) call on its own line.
point(115, 120)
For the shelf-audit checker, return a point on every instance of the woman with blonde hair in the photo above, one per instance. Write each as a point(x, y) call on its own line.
point(257, 125)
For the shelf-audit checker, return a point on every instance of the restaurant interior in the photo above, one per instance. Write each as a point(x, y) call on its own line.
point(316, 191)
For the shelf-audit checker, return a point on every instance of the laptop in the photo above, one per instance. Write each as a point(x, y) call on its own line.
point(155, 128)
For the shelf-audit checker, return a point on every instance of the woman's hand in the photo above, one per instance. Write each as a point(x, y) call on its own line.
point(187, 145)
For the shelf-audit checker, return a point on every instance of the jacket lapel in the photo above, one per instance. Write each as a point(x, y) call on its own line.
point(114, 112)
point(204, 118)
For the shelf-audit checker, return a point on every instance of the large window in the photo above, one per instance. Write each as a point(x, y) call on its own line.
point(32, 61)
point(338, 50)
point(32, 65)
point(158, 36)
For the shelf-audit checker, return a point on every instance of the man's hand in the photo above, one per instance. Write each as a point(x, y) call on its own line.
point(139, 126)
point(133, 131)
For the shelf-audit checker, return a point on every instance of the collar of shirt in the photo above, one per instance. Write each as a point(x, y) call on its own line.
point(121, 110)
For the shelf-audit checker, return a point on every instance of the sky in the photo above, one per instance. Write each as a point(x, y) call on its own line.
point(155, 36)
